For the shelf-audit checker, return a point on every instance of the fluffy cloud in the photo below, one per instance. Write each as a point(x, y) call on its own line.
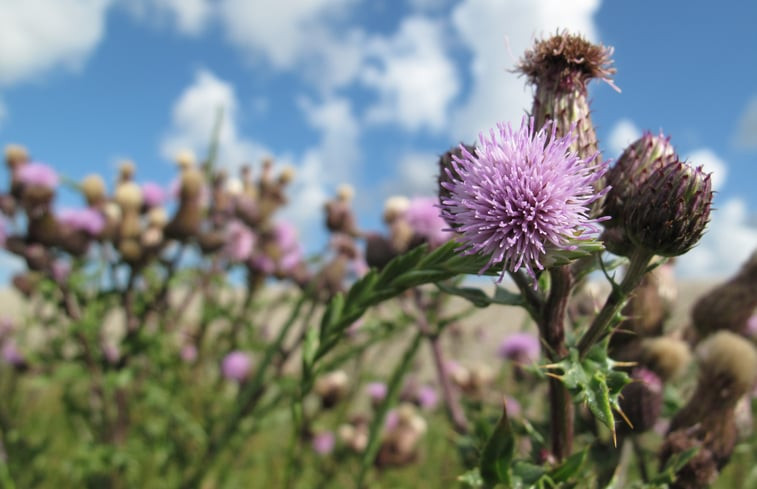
point(621, 135)
point(416, 175)
point(190, 16)
point(746, 135)
point(413, 76)
point(711, 163)
point(729, 241)
point(295, 34)
point(38, 35)
point(324, 166)
point(496, 31)
point(194, 117)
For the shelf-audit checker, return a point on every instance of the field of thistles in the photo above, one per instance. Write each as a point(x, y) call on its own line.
point(520, 329)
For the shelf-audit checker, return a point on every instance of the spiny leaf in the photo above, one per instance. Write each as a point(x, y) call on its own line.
point(479, 298)
point(497, 455)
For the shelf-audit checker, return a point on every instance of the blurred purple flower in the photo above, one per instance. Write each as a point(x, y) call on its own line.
point(651, 379)
point(60, 270)
point(376, 391)
point(89, 220)
point(521, 195)
point(520, 347)
point(240, 241)
point(189, 353)
point(11, 354)
point(427, 397)
point(285, 235)
point(236, 366)
point(323, 442)
point(751, 326)
point(38, 174)
point(262, 264)
point(391, 420)
point(423, 217)
point(153, 194)
point(513, 407)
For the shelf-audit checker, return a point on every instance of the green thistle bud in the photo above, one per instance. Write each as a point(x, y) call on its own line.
point(669, 213)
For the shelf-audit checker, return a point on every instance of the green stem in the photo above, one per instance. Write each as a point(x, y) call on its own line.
point(393, 389)
point(599, 327)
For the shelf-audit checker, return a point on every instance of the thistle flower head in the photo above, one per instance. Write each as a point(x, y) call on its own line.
point(671, 209)
point(236, 366)
point(153, 194)
point(520, 347)
point(521, 195)
point(38, 174)
point(87, 220)
point(423, 217)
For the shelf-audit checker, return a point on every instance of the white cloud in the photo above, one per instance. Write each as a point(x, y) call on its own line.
point(416, 175)
point(191, 16)
point(39, 35)
point(194, 117)
point(712, 163)
point(746, 135)
point(728, 242)
point(496, 32)
point(621, 135)
point(414, 77)
point(292, 34)
point(331, 162)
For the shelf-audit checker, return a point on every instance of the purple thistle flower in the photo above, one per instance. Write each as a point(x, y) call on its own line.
point(240, 242)
point(376, 391)
point(153, 194)
point(12, 355)
point(88, 220)
point(751, 326)
point(236, 366)
point(323, 442)
point(38, 174)
point(521, 195)
point(423, 217)
point(427, 397)
point(520, 347)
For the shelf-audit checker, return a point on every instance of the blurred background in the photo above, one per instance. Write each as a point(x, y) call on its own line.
point(369, 92)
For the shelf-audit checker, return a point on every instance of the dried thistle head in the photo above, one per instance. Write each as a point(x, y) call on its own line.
point(667, 357)
point(567, 59)
point(728, 364)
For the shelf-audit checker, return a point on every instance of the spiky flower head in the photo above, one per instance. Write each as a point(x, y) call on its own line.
point(522, 196)
point(625, 177)
point(671, 209)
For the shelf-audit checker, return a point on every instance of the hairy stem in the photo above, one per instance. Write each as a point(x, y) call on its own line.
point(552, 330)
point(600, 325)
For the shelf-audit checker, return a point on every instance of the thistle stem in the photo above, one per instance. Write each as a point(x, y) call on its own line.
point(552, 330)
point(637, 268)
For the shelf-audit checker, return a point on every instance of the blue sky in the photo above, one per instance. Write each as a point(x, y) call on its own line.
point(370, 92)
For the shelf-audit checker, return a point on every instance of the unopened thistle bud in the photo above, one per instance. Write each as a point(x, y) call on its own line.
point(126, 170)
point(641, 401)
point(730, 305)
point(448, 174)
point(667, 357)
point(728, 368)
point(185, 159)
point(561, 67)
point(331, 388)
point(15, 155)
point(93, 188)
point(669, 213)
point(128, 196)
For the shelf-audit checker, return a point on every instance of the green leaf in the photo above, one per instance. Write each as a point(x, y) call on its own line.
point(675, 463)
point(569, 468)
point(497, 455)
point(594, 381)
point(479, 298)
